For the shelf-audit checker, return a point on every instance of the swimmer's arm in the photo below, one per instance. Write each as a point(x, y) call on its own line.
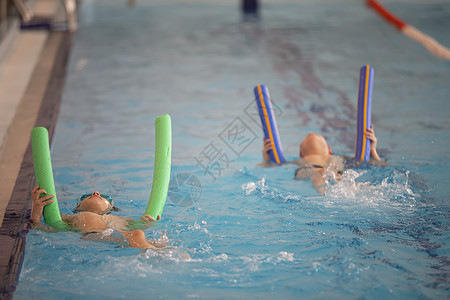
point(267, 146)
point(149, 219)
point(266, 164)
point(300, 162)
point(318, 181)
point(370, 133)
point(144, 223)
point(38, 206)
point(373, 148)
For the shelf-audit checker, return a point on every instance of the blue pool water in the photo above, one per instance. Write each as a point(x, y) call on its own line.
point(382, 232)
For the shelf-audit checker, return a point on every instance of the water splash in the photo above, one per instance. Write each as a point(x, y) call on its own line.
point(392, 190)
point(251, 186)
point(260, 188)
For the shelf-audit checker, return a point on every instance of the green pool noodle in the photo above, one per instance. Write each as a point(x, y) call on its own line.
point(44, 176)
point(161, 171)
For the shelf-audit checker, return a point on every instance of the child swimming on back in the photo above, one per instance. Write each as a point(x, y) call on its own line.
point(93, 217)
point(316, 157)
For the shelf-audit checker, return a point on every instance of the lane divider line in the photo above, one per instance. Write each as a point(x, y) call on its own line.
point(433, 46)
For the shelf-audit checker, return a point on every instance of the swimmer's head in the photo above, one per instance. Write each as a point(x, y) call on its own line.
point(96, 203)
point(314, 144)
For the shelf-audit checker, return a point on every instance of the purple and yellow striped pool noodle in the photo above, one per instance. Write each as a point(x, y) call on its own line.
point(364, 116)
point(269, 123)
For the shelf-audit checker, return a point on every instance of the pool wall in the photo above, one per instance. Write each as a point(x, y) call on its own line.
point(37, 62)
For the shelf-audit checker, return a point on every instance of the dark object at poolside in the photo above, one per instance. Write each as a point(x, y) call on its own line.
point(36, 23)
point(250, 6)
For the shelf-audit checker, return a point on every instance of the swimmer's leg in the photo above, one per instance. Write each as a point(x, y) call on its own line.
point(106, 236)
point(136, 239)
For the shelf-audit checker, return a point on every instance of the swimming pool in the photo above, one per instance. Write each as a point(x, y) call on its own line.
point(251, 231)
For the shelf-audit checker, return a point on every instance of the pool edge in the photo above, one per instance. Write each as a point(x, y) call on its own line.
point(39, 106)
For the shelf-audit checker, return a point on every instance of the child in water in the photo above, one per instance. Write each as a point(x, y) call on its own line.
point(316, 157)
point(93, 218)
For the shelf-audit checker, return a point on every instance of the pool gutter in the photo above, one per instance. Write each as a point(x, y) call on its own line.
point(39, 106)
